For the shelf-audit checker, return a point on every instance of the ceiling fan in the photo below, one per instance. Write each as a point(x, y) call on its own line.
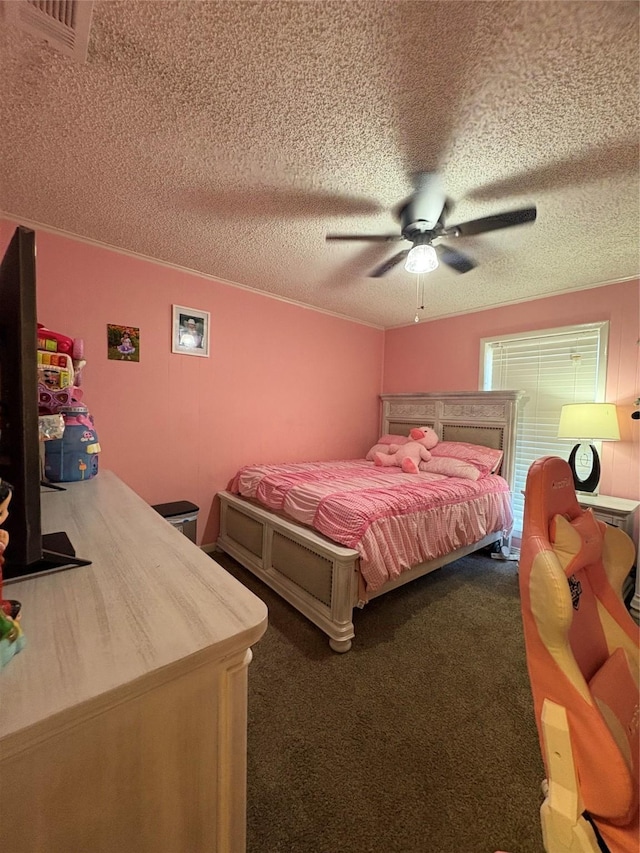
point(422, 223)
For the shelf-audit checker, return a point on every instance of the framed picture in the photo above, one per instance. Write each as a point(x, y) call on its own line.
point(123, 342)
point(190, 331)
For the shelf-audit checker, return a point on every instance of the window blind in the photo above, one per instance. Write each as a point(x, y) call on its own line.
point(552, 367)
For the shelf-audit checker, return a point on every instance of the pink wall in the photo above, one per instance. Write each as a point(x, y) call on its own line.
point(281, 383)
point(444, 355)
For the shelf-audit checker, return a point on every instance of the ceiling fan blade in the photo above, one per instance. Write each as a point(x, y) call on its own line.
point(292, 202)
point(454, 259)
point(607, 161)
point(371, 238)
point(493, 223)
point(389, 264)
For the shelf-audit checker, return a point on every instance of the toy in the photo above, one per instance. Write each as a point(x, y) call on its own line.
point(71, 447)
point(60, 365)
point(11, 636)
point(56, 342)
point(12, 639)
point(74, 456)
point(408, 456)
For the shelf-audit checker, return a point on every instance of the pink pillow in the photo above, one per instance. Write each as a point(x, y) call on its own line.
point(393, 439)
point(382, 445)
point(577, 543)
point(450, 467)
point(486, 459)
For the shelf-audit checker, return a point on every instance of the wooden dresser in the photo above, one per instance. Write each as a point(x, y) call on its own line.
point(123, 720)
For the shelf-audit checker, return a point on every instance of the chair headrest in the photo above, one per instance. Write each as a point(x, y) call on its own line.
point(550, 492)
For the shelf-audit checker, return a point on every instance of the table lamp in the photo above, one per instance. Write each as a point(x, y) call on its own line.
point(585, 423)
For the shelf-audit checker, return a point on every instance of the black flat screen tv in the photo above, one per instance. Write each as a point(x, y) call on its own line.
point(28, 552)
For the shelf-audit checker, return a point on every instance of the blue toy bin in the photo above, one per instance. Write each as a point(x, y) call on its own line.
point(74, 456)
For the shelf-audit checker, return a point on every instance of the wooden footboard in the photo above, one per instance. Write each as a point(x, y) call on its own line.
point(318, 577)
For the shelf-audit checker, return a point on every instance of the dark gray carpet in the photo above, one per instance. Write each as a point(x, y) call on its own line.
point(420, 740)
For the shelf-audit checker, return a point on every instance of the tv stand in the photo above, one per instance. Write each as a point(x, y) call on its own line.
point(47, 485)
point(57, 554)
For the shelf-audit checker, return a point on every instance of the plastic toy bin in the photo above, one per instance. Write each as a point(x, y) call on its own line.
point(182, 515)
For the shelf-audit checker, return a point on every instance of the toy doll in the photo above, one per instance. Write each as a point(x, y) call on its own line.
point(11, 636)
point(11, 639)
point(9, 607)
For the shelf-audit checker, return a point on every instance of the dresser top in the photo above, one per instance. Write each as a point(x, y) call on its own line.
point(150, 603)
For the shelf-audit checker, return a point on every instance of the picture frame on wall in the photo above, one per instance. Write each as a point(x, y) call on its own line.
point(123, 342)
point(190, 331)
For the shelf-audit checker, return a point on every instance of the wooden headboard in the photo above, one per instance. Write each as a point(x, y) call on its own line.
point(479, 417)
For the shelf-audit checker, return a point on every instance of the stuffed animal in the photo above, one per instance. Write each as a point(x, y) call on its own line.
point(408, 456)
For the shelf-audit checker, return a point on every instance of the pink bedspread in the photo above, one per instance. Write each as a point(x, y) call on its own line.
point(394, 520)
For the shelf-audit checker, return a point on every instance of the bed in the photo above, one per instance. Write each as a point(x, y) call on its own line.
point(325, 579)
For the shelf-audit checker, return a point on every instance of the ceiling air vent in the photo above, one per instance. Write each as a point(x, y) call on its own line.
point(64, 24)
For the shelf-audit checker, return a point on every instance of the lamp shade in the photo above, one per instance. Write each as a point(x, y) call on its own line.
point(422, 258)
point(589, 422)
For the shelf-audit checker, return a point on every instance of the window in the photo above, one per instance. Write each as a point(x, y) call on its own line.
point(552, 367)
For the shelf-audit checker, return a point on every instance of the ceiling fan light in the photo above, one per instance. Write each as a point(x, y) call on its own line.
point(421, 258)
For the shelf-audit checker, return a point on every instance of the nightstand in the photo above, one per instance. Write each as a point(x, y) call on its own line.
point(616, 511)
point(619, 512)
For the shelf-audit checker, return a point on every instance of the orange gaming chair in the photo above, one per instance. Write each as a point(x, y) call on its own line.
point(582, 657)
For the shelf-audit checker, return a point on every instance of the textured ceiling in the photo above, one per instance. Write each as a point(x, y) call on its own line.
point(230, 137)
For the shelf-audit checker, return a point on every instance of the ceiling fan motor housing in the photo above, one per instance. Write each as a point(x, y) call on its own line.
point(420, 216)
point(414, 227)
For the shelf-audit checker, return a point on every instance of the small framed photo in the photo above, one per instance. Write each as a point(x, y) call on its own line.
point(190, 331)
point(123, 342)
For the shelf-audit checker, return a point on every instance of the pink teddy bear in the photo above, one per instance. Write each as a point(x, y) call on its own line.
point(408, 456)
